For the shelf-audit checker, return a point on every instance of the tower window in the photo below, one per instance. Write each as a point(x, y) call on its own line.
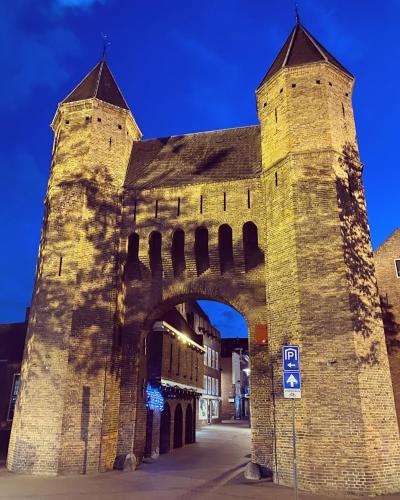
point(248, 198)
point(224, 202)
point(276, 115)
point(178, 210)
point(265, 104)
point(344, 114)
point(346, 94)
point(87, 118)
point(67, 121)
point(60, 266)
point(293, 85)
point(330, 84)
point(120, 127)
point(133, 263)
point(99, 119)
point(281, 91)
point(397, 264)
point(201, 203)
point(276, 178)
point(318, 81)
point(156, 210)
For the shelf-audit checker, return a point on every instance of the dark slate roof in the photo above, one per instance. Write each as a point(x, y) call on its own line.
point(101, 84)
point(195, 158)
point(174, 318)
point(12, 341)
point(228, 345)
point(301, 48)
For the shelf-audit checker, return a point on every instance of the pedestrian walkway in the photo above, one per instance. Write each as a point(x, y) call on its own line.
point(211, 469)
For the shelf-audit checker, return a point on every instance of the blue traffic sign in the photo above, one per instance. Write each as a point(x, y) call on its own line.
point(291, 380)
point(291, 358)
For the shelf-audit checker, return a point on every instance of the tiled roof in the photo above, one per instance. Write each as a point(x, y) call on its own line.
point(101, 84)
point(195, 158)
point(301, 48)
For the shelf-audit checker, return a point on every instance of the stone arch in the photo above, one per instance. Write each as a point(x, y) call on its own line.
point(225, 248)
point(178, 426)
point(201, 250)
point(155, 255)
point(253, 255)
point(178, 253)
point(165, 429)
point(189, 425)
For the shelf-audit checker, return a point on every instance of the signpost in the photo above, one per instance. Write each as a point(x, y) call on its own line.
point(292, 390)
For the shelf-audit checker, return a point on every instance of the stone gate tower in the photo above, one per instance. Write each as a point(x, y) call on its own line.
point(270, 219)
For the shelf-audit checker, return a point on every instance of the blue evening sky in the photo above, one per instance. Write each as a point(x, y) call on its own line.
point(183, 66)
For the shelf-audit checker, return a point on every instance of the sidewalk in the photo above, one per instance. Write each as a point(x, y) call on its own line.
point(210, 469)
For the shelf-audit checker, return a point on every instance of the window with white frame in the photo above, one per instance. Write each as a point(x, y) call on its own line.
point(209, 350)
point(205, 383)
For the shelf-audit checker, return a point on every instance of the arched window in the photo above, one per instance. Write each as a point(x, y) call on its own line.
point(225, 247)
point(165, 429)
point(178, 427)
point(178, 253)
point(133, 263)
point(189, 427)
point(201, 250)
point(155, 254)
point(253, 255)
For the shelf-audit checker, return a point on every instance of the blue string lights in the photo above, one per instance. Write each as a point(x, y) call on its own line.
point(155, 399)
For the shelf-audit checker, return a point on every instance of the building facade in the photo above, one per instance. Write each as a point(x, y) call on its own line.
point(12, 341)
point(268, 218)
point(209, 404)
point(174, 384)
point(387, 267)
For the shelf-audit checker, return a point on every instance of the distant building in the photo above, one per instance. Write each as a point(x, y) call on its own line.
point(209, 404)
point(235, 379)
point(387, 268)
point(12, 341)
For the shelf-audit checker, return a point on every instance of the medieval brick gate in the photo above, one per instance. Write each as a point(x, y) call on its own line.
point(270, 219)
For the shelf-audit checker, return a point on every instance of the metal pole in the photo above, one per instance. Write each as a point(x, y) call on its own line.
point(296, 493)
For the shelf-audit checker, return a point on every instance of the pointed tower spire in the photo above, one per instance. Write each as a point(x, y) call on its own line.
point(99, 84)
point(296, 9)
point(301, 48)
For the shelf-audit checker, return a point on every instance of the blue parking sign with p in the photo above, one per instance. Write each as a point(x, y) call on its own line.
point(291, 358)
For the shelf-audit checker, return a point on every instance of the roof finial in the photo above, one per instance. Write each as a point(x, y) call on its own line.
point(296, 9)
point(106, 43)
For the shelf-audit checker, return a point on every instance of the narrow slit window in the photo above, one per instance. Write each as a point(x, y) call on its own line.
point(134, 210)
point(201, 203)
point(397, 264)
point(156, 210)
point(276, 115)
point(60, 266)
point(276, 178)
point(224, 202)
point(248, 198)
point(178, 210)
point(344, 114)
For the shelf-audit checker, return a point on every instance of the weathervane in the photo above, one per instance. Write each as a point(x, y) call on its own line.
point(106, 43)
point(296, 9)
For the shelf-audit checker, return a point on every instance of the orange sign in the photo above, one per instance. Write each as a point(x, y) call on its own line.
point(261, 334)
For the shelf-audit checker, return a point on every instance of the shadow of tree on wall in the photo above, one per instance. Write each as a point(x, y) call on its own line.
point(392, 328)
point(363, 297)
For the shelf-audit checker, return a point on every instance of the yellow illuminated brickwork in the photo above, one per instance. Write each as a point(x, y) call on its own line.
point(311, 281)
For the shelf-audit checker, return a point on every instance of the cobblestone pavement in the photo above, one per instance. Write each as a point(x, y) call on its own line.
point(210, 469)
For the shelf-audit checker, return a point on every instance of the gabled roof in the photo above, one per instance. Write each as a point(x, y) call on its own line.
point(215, 156)
point(99, 83)
point(301, 48)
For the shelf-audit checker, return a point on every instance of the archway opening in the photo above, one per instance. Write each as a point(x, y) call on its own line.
point(201, 368)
